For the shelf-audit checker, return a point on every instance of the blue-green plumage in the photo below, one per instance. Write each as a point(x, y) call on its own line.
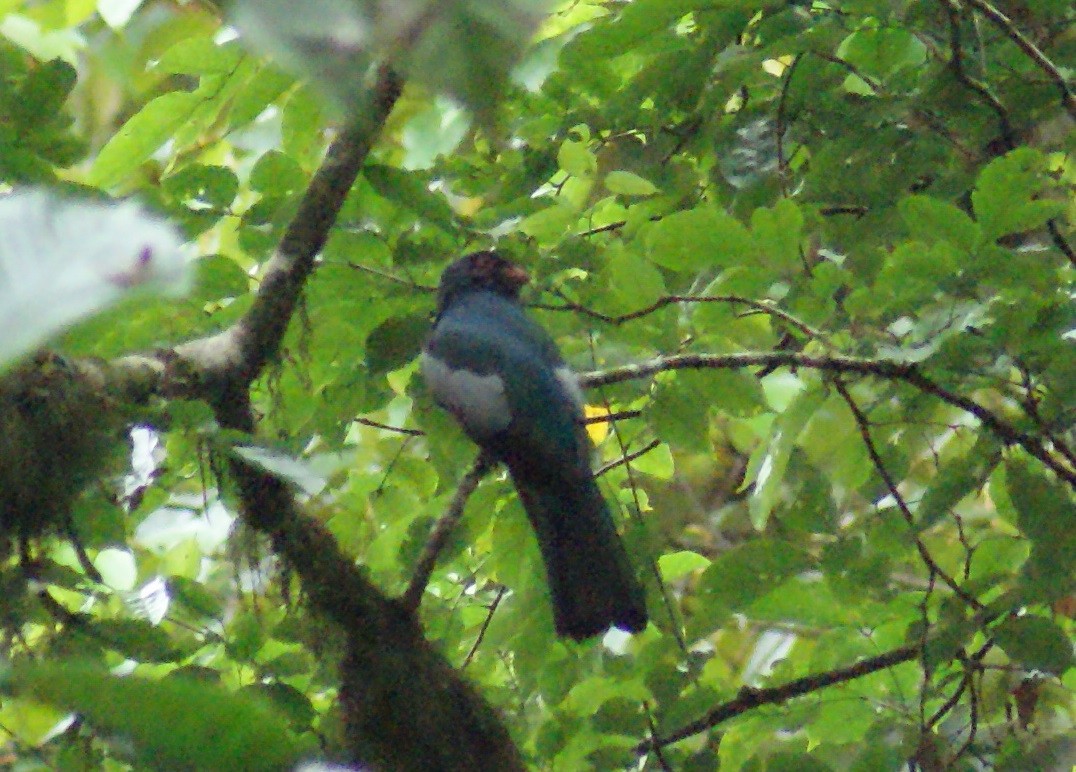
point(502, 377)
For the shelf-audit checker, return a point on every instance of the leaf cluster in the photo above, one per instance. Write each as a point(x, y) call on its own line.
point(819, 261)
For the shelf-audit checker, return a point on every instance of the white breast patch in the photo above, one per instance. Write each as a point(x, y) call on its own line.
point(570, 381)
point(477, 401)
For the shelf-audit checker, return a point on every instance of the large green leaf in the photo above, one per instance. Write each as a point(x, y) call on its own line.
point(174, 723)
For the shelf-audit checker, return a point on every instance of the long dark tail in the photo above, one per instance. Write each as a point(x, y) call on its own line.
point(591, 580)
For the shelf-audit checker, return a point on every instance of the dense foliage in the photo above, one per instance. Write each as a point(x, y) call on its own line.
point(817, 261)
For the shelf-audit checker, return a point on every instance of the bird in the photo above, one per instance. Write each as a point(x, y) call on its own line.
point(501, 376)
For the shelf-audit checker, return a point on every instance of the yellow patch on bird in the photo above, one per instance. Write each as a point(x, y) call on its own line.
point(598, 430)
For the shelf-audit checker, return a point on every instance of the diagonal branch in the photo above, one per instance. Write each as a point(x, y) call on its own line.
point(750, 698)
point(863, 423)
point(1004, 23)
point(388, 669)
point(442, 530)
point(627, 458)
point(956, 64)
point(241, 352)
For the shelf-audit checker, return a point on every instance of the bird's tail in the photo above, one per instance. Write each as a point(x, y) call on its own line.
point(591, 580)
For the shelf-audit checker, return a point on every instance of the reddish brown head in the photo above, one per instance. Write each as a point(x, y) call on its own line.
point(485, 270)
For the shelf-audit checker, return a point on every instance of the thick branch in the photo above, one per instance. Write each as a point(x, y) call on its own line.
point(403, 705)
point(240, 353)
point(749, 698)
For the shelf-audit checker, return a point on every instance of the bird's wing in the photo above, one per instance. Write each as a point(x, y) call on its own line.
point(499, 373)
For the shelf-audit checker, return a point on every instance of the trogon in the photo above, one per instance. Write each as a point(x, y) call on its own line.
point(501, 376)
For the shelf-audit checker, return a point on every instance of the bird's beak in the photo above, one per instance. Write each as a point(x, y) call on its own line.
point(517, 276)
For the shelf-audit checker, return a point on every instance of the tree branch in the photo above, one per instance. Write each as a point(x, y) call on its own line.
point(442, 530)
point(388, 670)
point(241, 352)
point(750, 698)
point(956, 64)
point(667, 300)
point(880, 368)
point(872, 450)
point(1004, 23)
point(627, 458)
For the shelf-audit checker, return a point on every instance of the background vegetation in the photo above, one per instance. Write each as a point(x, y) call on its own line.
point(816, 260)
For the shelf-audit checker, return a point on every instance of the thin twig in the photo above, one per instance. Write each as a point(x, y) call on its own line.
point(659, 754)
point(872, 450)
point(442, 530)
point(391, 277)
point(667, 300)
point(675, 623)
point(485, 626)
point(750, 698)
point(880, 368)
point(627, 458)
point(389, 428)
point(1059, 241)
point(780, 127)
point(1004, 23)
point(605, 418)
point(956, 64)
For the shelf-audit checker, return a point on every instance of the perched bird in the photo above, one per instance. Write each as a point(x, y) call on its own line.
point(501, 376)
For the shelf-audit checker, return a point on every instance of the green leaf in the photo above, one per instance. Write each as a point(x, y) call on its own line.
point(929, 219)
point(676, 565)
point(633, 283)
point(777, 235)
point(141, 136)
point(745, 573)
point(629, 184)
point(217, 277)
point(200, 56)
point(195, 596)
point(883, 51)
point(704, 237)
point(411, 192)
point(768, 464)
point(135, 639)
point(956, 478)
point(575, 158)
point(396, 342)
point(658, 463)
point(1006, 195)
point(199, 186)
point(1044, 513)
point(288, 700)
point(550, 224)
point(173, 723)
point(276, 174)
point(1036, 643)
point(43, 93)
point(679, 410)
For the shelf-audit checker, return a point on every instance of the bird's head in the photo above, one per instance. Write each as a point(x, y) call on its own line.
point(480, 270)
